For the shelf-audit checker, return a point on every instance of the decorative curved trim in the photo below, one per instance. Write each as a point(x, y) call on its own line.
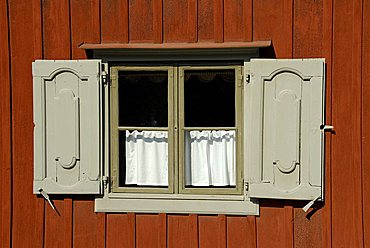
point(286, 69)
point(67, 166)
point(58, 71)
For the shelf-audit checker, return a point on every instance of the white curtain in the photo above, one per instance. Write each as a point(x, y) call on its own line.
point(210, 158)
point(147, 158)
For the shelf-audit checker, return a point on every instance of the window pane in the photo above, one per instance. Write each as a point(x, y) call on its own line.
point(143, 158)
point(209, 98)
point(143, 98)
point(210, 158)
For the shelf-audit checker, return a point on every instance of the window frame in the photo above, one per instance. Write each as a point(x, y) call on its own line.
point(238, 129)
point(115, 128)
point(140, 202)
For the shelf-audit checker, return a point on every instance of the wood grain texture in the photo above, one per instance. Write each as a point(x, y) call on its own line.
point(327, 53)
point(141, 24)
point(366, 122)
point(87, 229)
point(175, 20)
point(212, 231)
point(271, 225)
point(346, 143)
point(272, 20)
point(308, 231)
point(237, 20)
point(158, 21)
point(151, 230)
point(120, 230)
point(85, 25)
point(308, 43)
point(275, 223)
point(308, 39)
point(56, 29)
point(57, 45)
point(6, 130)
point(241, 232)
point(114, 21)
point(218, 23)
point(25, 43)
point(182, 231)
point(192, 29)
point(205, 20)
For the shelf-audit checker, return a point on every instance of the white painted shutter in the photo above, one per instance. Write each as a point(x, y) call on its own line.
point(284, 109)
point(67, 98)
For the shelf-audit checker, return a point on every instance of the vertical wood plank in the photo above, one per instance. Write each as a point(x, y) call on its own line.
point(56, 29)
point(237, 17)
point(85, 25)
point(88, 226)
point(158, 21)
point(327, 52)
point(218, 15)
point(289, 225)
point(151, 230)
point(346, 143)
point(57, 45)
point(192, 20)
point(308, 42)
point(271, 225)
point(182, 231)
point(175, 20)
point(308, 39)
point(142, 21)
point(272, 20)
point(6, 130)
point(114, 21)
point(212, 231)
point(25, 42)
point(120, 230)
point(145, 23)
point(308, 231)
point(68, 222)
point(241, 232)
point(205, 20)
point(248, 20)
point(366, 122)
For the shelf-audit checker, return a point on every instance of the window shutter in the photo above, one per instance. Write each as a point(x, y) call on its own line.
point(68, 126)
point(284, 111)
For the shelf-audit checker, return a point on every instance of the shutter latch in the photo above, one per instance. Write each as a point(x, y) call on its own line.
point(46, 196)
point(328, 128)
point(308, 205)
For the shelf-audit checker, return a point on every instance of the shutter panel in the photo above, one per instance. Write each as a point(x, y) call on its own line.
point(68, 126)
point(284, 113)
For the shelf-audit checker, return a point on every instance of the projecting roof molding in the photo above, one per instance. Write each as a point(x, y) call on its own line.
point(176, 51)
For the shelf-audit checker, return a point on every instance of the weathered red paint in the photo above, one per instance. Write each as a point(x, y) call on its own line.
point(50, 29)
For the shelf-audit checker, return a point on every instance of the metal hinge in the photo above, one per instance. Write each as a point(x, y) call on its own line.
point(105, 181)
point(247, 78)
point(104, 74)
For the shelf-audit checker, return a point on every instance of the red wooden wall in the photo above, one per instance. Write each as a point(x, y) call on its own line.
point(52, 29)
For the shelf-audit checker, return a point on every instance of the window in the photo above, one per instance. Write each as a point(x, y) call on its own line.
point(176, 129)
point(180, 138)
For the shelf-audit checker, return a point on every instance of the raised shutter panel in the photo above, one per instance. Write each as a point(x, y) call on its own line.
point(67, 98)
point(284, 114)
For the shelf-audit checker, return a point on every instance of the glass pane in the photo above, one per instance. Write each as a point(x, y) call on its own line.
point(209, 98)
point(143, 98)
point(210, 158)
point(143, 158)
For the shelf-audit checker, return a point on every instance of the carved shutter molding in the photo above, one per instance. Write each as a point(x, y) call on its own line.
point(68, 126)
point(284, 108)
